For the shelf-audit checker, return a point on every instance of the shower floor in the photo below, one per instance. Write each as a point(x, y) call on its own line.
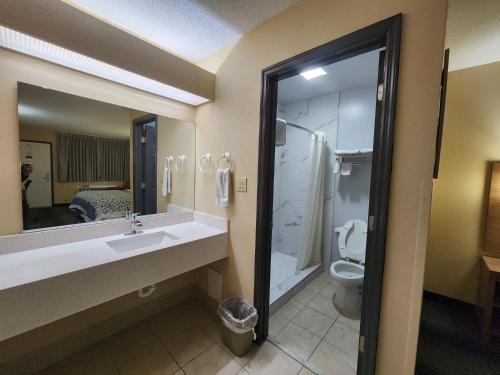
point(283, 275)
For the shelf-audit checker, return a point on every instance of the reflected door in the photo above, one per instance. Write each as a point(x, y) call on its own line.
point(145, 165)
point(38, 183)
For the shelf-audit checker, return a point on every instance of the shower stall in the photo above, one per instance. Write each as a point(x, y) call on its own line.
point(299, 182)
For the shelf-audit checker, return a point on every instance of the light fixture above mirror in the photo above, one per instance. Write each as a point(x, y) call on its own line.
point(19, 42)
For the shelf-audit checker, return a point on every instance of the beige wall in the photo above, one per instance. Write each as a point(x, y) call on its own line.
point(471, 139)
point(176, 138)
point(231, 123)
point(63, 191)
point(16, 67)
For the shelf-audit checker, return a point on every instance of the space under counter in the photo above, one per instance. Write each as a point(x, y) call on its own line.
point(41, 285)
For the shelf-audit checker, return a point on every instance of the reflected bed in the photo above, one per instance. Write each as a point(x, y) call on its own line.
point(96, 205)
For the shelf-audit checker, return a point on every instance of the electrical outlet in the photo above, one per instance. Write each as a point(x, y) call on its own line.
point(241, 184)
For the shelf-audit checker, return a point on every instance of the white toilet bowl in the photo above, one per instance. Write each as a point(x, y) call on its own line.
point(349, 277)
point(350, 271)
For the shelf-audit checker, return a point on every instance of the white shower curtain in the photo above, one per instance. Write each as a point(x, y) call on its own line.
point(310, 239)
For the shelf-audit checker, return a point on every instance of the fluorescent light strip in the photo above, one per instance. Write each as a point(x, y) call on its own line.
point(313, 73)
point(19, 42)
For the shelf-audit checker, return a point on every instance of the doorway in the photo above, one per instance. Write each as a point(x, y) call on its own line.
point(37, 186)
point(145, 145)
point(381, 39)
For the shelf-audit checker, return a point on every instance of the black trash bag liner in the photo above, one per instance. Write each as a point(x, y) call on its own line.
point(237, 314)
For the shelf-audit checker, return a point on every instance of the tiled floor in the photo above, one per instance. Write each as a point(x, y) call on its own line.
point(187, 340)
point(184, 340)
point(310, 329)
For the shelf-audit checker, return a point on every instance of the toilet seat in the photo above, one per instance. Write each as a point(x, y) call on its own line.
point(347, 273)
point(352, 240)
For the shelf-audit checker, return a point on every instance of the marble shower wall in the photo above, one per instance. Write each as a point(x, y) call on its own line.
point(291, 165)
point(354, 108)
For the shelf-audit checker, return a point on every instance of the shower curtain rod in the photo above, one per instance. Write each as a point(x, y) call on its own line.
point(296, 126)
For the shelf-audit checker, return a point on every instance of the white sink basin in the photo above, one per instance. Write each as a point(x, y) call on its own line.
point(139, 241)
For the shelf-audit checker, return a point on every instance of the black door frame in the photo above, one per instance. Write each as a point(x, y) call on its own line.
point(386, 33)
point(137, 156)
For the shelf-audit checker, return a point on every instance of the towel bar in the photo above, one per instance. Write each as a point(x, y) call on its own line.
point(181, 159)
point(207, 158)
point(227, 157)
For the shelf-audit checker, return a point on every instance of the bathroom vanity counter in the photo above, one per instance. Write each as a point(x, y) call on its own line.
point(24, 267)
point(41, 285)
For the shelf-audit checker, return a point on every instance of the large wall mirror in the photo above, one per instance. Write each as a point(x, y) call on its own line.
point(87, 161)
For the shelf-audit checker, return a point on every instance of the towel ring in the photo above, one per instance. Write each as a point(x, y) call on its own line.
point(227, 157)
point(168, 160)
point(207, 158)
point(180, 158)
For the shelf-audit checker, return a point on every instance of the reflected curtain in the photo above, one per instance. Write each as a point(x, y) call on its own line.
point(84, 158)
point(312, 221)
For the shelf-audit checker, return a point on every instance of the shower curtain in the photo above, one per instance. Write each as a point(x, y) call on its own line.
point(310, 239)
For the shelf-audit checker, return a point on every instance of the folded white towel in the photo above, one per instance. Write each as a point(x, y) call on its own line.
point(222, 187)
point(166, 187)
point(353, 151)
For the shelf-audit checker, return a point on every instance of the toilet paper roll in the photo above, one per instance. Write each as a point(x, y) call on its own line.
point(346, 169)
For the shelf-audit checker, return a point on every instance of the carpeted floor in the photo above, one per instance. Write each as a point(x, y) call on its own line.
point(54, 216)
point(450, 341)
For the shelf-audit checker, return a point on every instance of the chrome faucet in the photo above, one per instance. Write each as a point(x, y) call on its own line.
point(134, 224)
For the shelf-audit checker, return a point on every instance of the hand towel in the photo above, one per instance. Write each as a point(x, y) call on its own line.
point(166, 187)
point(222, 187)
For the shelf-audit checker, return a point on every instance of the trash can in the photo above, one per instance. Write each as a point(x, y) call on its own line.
point(238, 321)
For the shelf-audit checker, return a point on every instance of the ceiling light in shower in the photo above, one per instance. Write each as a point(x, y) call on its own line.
point(313, 73)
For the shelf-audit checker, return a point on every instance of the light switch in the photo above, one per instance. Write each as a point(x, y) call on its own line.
point(241, 184)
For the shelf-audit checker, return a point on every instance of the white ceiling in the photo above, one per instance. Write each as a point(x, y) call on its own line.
point(473, 32)
point(192, 29)
point(358, 71)
point(49, 109)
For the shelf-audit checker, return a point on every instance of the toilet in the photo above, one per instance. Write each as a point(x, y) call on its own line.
point(349, 271)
